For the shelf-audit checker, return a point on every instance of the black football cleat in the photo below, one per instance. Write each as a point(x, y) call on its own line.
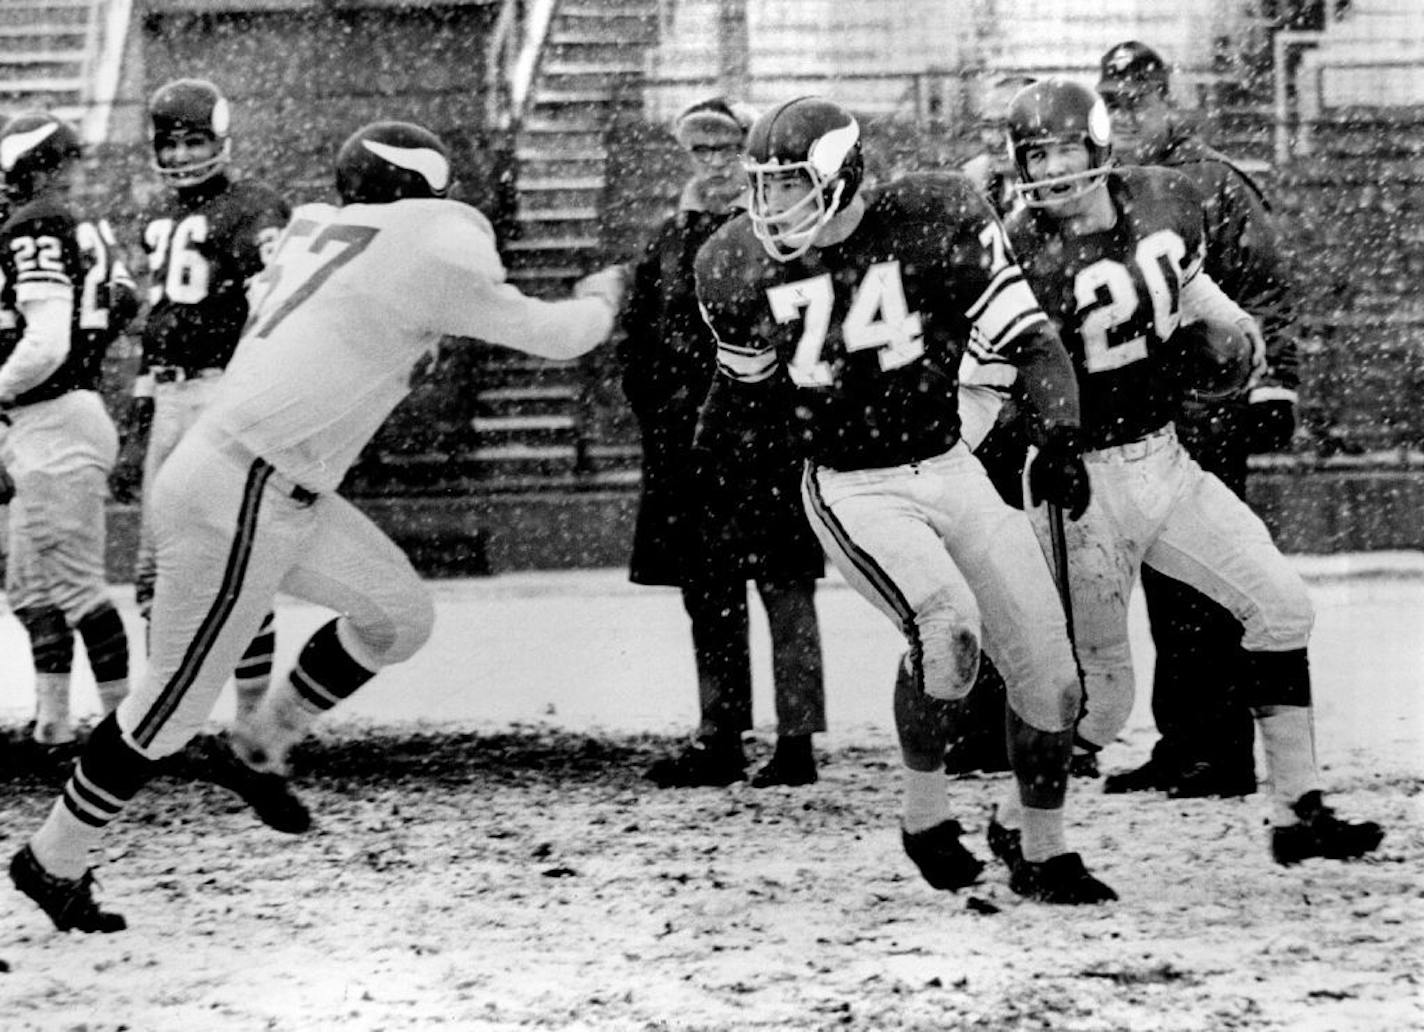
point(69, 902)
point(1152, 776)
point(941, 857)
point(1060, 879)
point(699, 765)
point(1005, 843)
point(1321, 833)
point(269, 794)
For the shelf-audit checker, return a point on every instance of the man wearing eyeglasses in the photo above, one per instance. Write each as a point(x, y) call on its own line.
point(1205, 747)
point(702, 526)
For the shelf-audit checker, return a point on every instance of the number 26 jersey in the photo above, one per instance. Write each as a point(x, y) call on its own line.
point(203, 246)
point(857, 344)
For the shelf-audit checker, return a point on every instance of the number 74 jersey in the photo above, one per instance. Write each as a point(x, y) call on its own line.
point(858, 343)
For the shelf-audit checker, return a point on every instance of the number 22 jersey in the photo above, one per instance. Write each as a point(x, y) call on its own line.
point(857, 344)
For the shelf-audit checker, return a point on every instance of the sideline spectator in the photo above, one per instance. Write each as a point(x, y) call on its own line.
point(707, 526)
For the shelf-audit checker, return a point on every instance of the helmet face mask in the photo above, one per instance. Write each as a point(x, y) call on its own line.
point(1051, 112)
point(804, 165)
point(386, 162)
point(181, 114)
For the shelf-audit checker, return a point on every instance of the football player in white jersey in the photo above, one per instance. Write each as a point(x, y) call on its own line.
point(354, 299)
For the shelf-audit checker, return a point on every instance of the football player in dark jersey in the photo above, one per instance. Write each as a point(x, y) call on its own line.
point(841, 313)
point(1115, 256)
point(204, 240)
point(1206, 729)
point(64, 296)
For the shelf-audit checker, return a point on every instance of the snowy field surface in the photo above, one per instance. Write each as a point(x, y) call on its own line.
point(487, 856)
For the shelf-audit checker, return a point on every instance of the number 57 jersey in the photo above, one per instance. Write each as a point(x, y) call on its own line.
point(353, 301)
point(858, 343)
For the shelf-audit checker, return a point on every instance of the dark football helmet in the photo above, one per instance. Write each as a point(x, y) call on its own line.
point(389, 161)
point(186, 106)
point(1058, 111)
point(819, 143)
point(32, 144)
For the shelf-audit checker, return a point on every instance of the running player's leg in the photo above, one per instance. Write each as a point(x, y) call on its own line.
point(350, 566)
point(219, 566)
point(1026, 632)
point(1214, 542)
point(874, 530)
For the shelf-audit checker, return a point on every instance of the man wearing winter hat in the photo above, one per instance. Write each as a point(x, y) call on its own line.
point(702, 526)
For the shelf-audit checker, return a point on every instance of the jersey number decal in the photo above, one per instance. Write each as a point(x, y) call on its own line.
point(1159, 258)
point(176, 262)
point(879, 318)
point(308, 264)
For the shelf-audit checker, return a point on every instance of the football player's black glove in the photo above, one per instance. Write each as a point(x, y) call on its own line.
point(1270, 425)
point(7, 487)
point(1058, 475)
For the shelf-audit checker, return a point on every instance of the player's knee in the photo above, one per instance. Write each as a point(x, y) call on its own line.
point(1050, 703)
point(105, 642)
point(404, 627)
point(51, 642)
point(1280, 624)
point(949, 650)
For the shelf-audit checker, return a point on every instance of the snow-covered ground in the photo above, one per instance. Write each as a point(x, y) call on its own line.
point(504, 888)
point(586, 651)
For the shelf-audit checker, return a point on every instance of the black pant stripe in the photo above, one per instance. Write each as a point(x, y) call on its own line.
point(239, 555)
point(883, 584)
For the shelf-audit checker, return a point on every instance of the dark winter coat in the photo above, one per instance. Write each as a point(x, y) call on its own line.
point(1243, 257)
point(696, 520)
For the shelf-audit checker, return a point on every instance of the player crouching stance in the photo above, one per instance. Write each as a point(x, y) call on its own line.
point(1115, 255)
point(354, 299)
point(843, 313)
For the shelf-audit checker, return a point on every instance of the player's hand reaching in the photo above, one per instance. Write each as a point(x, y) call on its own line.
point(1058, 475)
point(7, 486)
point(608, 285)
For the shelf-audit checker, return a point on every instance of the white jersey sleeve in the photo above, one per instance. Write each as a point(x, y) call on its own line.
point(354, 301)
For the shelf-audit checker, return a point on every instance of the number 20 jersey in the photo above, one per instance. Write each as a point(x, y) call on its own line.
point(859, 343)
point(203, 246)
point(1116, 297)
